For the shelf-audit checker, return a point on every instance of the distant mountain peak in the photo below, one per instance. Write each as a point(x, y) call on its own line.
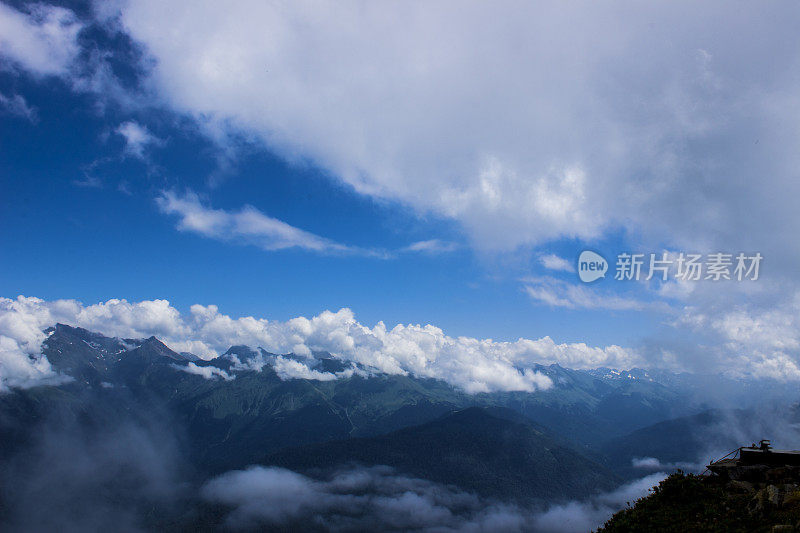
point(241, 351)
point(153, 346)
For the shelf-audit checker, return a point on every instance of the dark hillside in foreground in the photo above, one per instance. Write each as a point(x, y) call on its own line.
point(697, 503)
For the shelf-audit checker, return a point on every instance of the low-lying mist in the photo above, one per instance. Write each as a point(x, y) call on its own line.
point(105, 468)
point(82, 473)
point(74, 476)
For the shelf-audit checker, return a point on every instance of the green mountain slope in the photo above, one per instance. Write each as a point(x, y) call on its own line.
point(233, 422)
point(492, 452)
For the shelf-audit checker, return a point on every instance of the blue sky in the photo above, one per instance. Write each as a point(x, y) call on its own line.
point(422, 169)
point(93, 241)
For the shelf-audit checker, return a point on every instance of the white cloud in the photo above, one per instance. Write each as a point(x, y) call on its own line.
point(547, 123)
point(247, 225)
point(255, 362)
point(21, 364)
point(16, 105)
point(290, 368)
point(559, 293)
point(208, 372)
point(432, 246)
point(378, 498)
point(293, 369)
point(749, 339)
point(746, 342)
point(652, 463)
point(476, 365)
point(677, 289)
point(554, 262)
point(588, 515)
point(137, 138)
point(43, 41)
point(645, 462)
point(20, 368)
point(359, 499)
point(524, 122)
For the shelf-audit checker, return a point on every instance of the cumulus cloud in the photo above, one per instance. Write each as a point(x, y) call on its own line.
point(745, 344)
point(298, 366)
point(292, 369)
point(752, 338)
point(247, 225)
point(208, 372)
point(548, 122)
point(42, 41)
point(137, 138)
point(476, 365)
point(21, 364)
point(22, 368)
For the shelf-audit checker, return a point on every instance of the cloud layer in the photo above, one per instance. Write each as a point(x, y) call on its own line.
point(43, 42)
point(524, 122)
point(741, 341)
point(378, 498)
point(476, 365)
point(354, 500)
point(554, 120)
point(749, 338)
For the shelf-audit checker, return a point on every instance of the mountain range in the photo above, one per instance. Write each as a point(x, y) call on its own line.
point(581, 437)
